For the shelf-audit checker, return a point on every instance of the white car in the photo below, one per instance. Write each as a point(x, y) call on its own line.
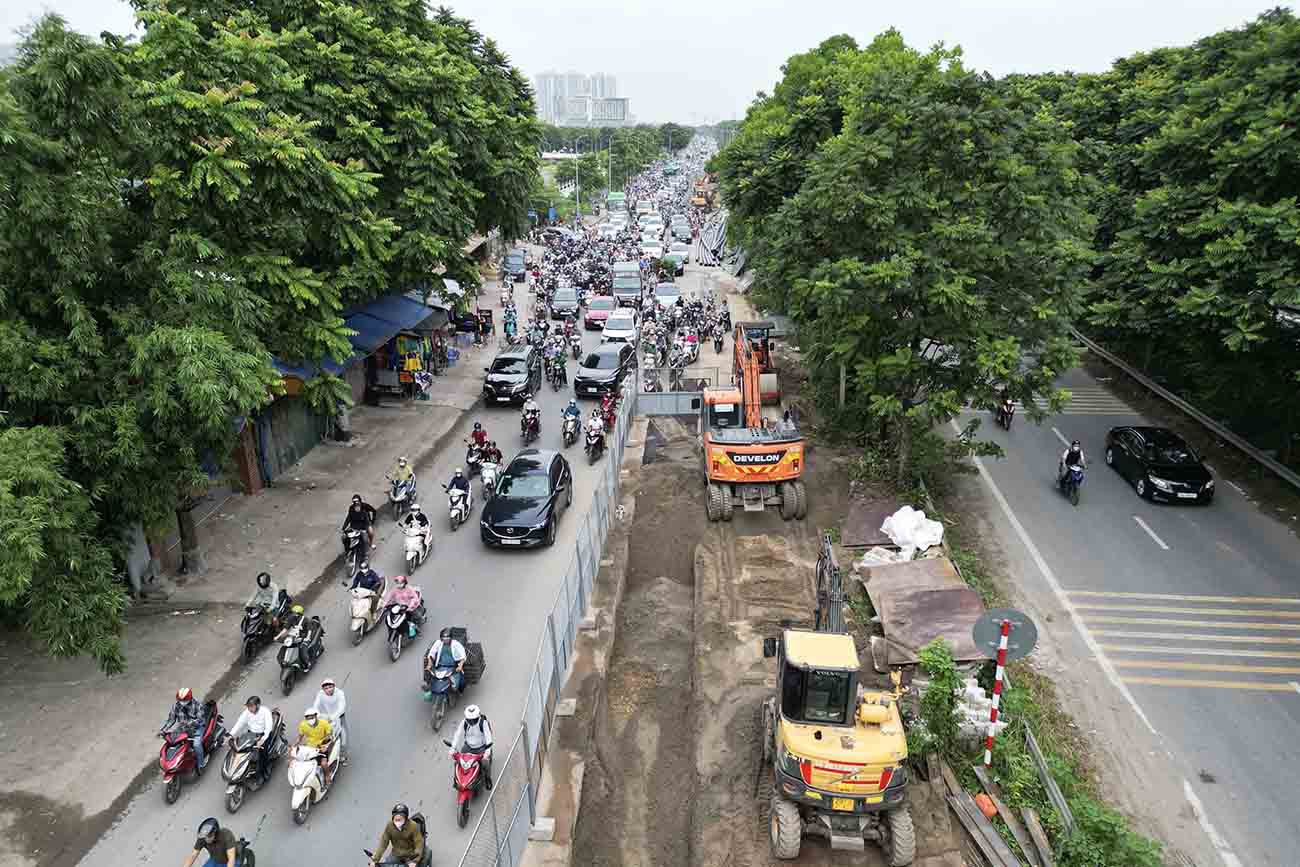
point(683, 249)
point(620, 327)
point(667, 294)
point(652, 251)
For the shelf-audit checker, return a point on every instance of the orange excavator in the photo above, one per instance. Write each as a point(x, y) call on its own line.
point(751, 460)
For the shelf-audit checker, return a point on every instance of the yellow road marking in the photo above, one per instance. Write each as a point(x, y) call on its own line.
point(1206, 666)
point(1263, 600)
point(1183, 636)
point(1160, 609)
point(1212, 684)
point(1196, 651)
point(1204, 624)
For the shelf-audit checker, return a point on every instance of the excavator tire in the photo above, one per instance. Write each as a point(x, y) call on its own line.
point(800, 500)
point(789, 502)
point(786, 828)
point(726, 503)
point(713, 506)
point(902, 838)
point(475, 662)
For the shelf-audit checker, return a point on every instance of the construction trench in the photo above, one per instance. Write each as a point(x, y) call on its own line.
point(673, 776)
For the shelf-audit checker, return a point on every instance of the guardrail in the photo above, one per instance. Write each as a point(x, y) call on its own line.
point(1282, 472)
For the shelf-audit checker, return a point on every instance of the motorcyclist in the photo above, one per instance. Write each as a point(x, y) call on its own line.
point(531, 413)
point(401, 471)
point(402, 593)
point(265, 596)
point(561, 362)
point(458, 482)
point(447, 652)
point(492, 454)
point(1072, 457)
point(572, 410)
point(316, 733)
point(474, 735)
point(405, 838)
point(309, 628)
point(596, 422)
point(187, 716)
point(479, 436)
point(361, 516)
point(257, 721)
point(220, 844)
point(333, 706)
point(368, 578)
point(418, 521)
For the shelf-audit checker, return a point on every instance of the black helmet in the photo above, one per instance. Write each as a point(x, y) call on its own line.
point(254, 701)
point(478, 426)
point(264, 580)
point(1074, 445)
point(356, 499)
point(399, 809)
point(445, 634)
point(209, 827)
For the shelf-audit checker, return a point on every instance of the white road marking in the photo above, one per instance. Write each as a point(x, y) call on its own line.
point(1060, 436)
point(1236, 487)
point(1199, 651)
point(1225, 851)
point(1062, 598)
point(1152, 533)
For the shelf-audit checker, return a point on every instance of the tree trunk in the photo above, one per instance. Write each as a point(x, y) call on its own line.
point(193, 560)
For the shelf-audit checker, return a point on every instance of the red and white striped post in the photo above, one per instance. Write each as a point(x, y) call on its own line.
point(997, 691)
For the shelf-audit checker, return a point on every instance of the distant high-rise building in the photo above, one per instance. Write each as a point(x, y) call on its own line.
point(604, 86)
point(575, 99)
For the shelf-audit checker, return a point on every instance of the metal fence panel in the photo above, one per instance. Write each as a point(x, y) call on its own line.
point(510, 784)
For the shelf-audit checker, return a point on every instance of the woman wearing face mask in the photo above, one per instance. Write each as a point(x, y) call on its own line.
point(404, 836)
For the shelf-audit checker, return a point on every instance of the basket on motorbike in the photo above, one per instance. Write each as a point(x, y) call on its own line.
point(475, 661)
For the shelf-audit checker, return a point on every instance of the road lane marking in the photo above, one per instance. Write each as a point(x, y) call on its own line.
point(1161, 609)
point(1198, 651)
point(1236, 487)
point(1266, 600)
point(1060, 436)
point(1152, 533)
point(1112, 674)
point(1207, 666)
point(1229, 857)
point(1184, 636)
point(1259, 685)
point(1204, 624)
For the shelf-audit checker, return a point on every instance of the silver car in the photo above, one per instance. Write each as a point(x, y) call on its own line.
point(620, 327)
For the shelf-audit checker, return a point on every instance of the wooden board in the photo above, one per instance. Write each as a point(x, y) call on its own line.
point(1040, 837)
point(994, 791)
point(982, 832)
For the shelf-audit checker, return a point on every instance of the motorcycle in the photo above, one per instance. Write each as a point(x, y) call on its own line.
point(530, 427)
point(575, 345)
point(365, 611)
point(426, 860)
point(418, 544)
point(652, 383)
point(595, 444)
point(240, 769)
point(1070, 482)
point(561, 375)
point(488, 476)
point(400, 495)
point(1006, 410)
point(459, 505)
point(308, 779)
point(443, 693)
point(609, 410)
point(570, 432)
point(468, 781)
point(473, 458)
point(692, 347)
point(356, 545)
point(176, 756)
point(258, 630)
point(717, 340)
point(296, 657)
point(401, 627)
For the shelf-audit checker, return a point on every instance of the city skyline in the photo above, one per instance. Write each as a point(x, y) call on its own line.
point(580, 99)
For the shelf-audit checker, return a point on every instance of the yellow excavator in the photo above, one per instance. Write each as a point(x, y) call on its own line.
point(836, 749)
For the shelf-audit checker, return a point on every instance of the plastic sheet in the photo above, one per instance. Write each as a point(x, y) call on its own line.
point(912, 531)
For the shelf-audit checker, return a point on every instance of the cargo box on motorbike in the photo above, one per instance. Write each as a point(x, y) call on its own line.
point(475, 661)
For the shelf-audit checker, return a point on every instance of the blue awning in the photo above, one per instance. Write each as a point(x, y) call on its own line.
point(306, 372)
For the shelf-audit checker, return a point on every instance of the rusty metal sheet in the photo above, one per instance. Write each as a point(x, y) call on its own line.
point(861, 528)
point(920, 601)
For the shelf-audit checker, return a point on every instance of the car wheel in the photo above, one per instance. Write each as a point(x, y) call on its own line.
point(550, 533)
point(568, 501)
point(1141, 487)
point(1110, 457)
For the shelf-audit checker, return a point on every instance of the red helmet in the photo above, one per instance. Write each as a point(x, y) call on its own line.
point(184, 694)
point(400, 580)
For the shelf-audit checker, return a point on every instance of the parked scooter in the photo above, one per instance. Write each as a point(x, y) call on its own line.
point(240, 769)
point(257, 630)
point(570, 431)
point(418, 545)
point(488, 476)
point(459, 505)
point(176, 756)
point(467, 778)
point(400, 496)
point(365, 611)
point(308, 779)
point(297, 656)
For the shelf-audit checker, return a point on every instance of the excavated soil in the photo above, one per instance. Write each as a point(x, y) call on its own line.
point(675, 776)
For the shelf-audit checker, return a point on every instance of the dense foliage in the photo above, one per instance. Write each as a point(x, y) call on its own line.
point(176, 210)
point(920, 222)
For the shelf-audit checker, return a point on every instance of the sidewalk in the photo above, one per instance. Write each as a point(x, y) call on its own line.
point(53, 807)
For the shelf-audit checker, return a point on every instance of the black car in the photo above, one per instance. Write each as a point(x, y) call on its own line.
point(564, 302)
point(514, 374)
point(604, 369)
point(1159, 464)
point(531, 493)
point(514, 266)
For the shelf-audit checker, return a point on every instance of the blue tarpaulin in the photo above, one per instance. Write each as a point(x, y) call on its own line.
point(375, 323)
point(311, 371)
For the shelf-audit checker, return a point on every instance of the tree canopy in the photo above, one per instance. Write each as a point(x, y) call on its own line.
point(175, 211)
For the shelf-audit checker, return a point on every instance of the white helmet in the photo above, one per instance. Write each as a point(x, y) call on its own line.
point(310, 713)
point(415, 507)
point(472, 713)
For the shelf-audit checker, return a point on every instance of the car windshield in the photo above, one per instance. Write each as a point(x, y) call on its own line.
point(514, 260)
point(602, 303)
point(567, 295)
point(1169, 450)
point(601, 361)
point(679, 248)
point(627, 282)
point(667, 290)
point(618, 323)
point(508, 365)
point(524, 486)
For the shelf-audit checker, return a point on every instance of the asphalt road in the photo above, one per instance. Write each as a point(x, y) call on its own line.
point(1197, 608)
point(501, 596)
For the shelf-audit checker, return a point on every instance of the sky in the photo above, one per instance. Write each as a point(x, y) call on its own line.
point(699, 62)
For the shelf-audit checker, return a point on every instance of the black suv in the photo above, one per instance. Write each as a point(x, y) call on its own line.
point(604, 369)
point(514, 266)
point(514, 374)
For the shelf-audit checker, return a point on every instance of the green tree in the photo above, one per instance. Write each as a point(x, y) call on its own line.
point(591, 179)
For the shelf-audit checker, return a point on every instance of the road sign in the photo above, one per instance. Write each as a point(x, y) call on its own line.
point(550, 215)
point(987, 633)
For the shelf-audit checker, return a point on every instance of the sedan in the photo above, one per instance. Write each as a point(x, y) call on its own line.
point(564, 302)
point(678, 261)
point(667, 294)
point(598, 311)
point(620, 328)
point(531, 493)
point(1159, 464)
point(652, 251)
point(683, 249)
point(604, 369)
